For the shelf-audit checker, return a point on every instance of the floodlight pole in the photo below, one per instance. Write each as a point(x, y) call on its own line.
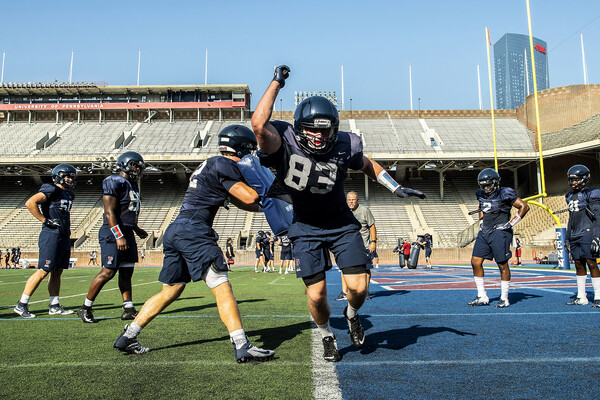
point(410, 85)
point(479, 87)
point(71, 68)
point(342, 87)
point(2, 75)
point(139, 64)
point(585, 77)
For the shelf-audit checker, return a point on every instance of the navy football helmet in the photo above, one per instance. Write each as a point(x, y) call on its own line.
point(237, 139)
point(317, 114)
point(127, 160)
point(489, 180)
point(62, 171)
point(579, 176)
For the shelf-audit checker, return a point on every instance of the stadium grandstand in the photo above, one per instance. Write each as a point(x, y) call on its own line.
point(175, 127)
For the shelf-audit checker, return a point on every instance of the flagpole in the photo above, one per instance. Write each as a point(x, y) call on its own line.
point(206, 67)
point(585, 77)
point(2, 75)
point(71, 68)
point(343, 87)
point(479, 87)
point(410, 84)
point(487, 47)
point(139, 64)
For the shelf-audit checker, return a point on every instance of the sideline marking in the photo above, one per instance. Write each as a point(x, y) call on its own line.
point(326, 385)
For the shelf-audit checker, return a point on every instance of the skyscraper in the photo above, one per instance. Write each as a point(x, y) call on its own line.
point(512, 65)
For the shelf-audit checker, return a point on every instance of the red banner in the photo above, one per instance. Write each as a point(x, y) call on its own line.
point(121, 106)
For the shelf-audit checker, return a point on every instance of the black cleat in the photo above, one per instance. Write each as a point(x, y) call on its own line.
point(128, 313)
point(357, 333)
point(502, 304)
point(249, 352)
point(479, 301)
point(330, 351)
point(596, 303)
point(85, 313)
point(23, 310)
point(129, 345)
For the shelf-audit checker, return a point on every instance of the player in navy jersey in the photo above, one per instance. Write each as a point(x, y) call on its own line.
point(55, 200)
point(191, 252)
point(311, 159)
point(118, 248)
point(495, 235)
point(583, 232)
point(286, 254)
point(258, 252)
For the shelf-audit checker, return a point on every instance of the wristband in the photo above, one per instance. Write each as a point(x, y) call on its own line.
point(116, 231)
point(515, 220)
point(373, 241)
point(385, 179)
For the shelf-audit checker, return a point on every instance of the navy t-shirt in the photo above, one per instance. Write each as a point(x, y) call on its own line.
point(57, 206)
point(496, 207)
point(128, 198)
point(209, 188)
point(316, 182)
point(584, 213)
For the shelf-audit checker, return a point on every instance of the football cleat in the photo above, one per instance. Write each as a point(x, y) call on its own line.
point(59, 310)
point(23, 310)
point(330, 351)
point(578, 302)
point(502, 304)
point(596, 303)
point(129, 345)
point(249, 352)
point(341, 296)
point(357, 333)
point(479, 301)
point(128, 313)
point(85, 313)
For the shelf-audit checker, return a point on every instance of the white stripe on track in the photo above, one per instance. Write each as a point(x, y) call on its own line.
point(326, 385)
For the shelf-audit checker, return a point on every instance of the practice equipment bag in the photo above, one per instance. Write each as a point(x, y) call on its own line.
point(413, 258)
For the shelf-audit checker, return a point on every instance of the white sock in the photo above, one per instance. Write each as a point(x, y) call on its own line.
point(325, 329)
point(581, 286)
point(25, 298)
point(133, 330)
point(596, 286)
point(351, 311)
point(480, 286)
point(504, 285)
point(238, 338)
point(128, 304)
point(53, 300)
point(87, 302)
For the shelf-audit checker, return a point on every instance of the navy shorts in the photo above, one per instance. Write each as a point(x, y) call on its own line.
point(312, 246)
point(580, 248)
point(111, 257)
point(258, 253)
point(427, 252)
point(268, 255)
point(286, 253)
point(55, 250)
point(493, 244)
point(189, 248)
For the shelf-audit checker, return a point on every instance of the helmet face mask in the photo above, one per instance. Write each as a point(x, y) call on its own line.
point(578, 176)
point(488, 180)
point(316, 123)
point(132, 164)
point(65, 175)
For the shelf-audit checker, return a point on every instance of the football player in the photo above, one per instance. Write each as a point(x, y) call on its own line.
point(258, 252)
point(191, 252)
point(495, 236)
point(286, 254)
point(55, 200)
point(583, 232)
point(118, 248)
point(311, 159)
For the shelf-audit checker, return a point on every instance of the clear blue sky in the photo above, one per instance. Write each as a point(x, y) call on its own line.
point(375, 40)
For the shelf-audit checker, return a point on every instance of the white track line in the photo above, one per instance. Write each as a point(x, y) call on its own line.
point(326, 385)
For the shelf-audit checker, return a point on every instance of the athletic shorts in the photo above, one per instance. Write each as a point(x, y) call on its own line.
point(55, 250)
point(111, 257)
point(427, 252)
point(286, 253)
point(312, 246)
point(493, 245)
point(190, 248)
point(258, 253)
point(268, 255)
point(580, 248)
point(518, 252)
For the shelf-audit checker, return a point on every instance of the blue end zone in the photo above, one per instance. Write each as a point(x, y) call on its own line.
point(424, 342)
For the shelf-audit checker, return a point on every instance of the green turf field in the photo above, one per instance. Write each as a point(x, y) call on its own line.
point(61, 357)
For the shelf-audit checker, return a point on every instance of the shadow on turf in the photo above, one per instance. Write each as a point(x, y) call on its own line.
point(268, 338)
point(515, 297)
point(387, 293)
point(204, 306)
point(397, 339)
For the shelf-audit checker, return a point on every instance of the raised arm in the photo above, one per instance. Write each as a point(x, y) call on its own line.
point(376, 172)
point(267, 137)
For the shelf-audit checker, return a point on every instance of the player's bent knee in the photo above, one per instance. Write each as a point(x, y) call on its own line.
point(214, 277)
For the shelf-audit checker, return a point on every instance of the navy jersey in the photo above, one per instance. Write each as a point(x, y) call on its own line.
point(285, 241)
point(496, 207)
point(584, 213)
point(316, 182)
point(57, 206)
point(259, 243)
point(128, 198)
point(209, 188)
point(265, 245)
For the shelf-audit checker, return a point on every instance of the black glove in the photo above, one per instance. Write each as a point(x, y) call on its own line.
point(51, 223)
point(403, 192)
point(282, 72)
point(595, 247)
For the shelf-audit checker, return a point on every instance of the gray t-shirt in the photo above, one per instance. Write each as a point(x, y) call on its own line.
point(366, 220)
